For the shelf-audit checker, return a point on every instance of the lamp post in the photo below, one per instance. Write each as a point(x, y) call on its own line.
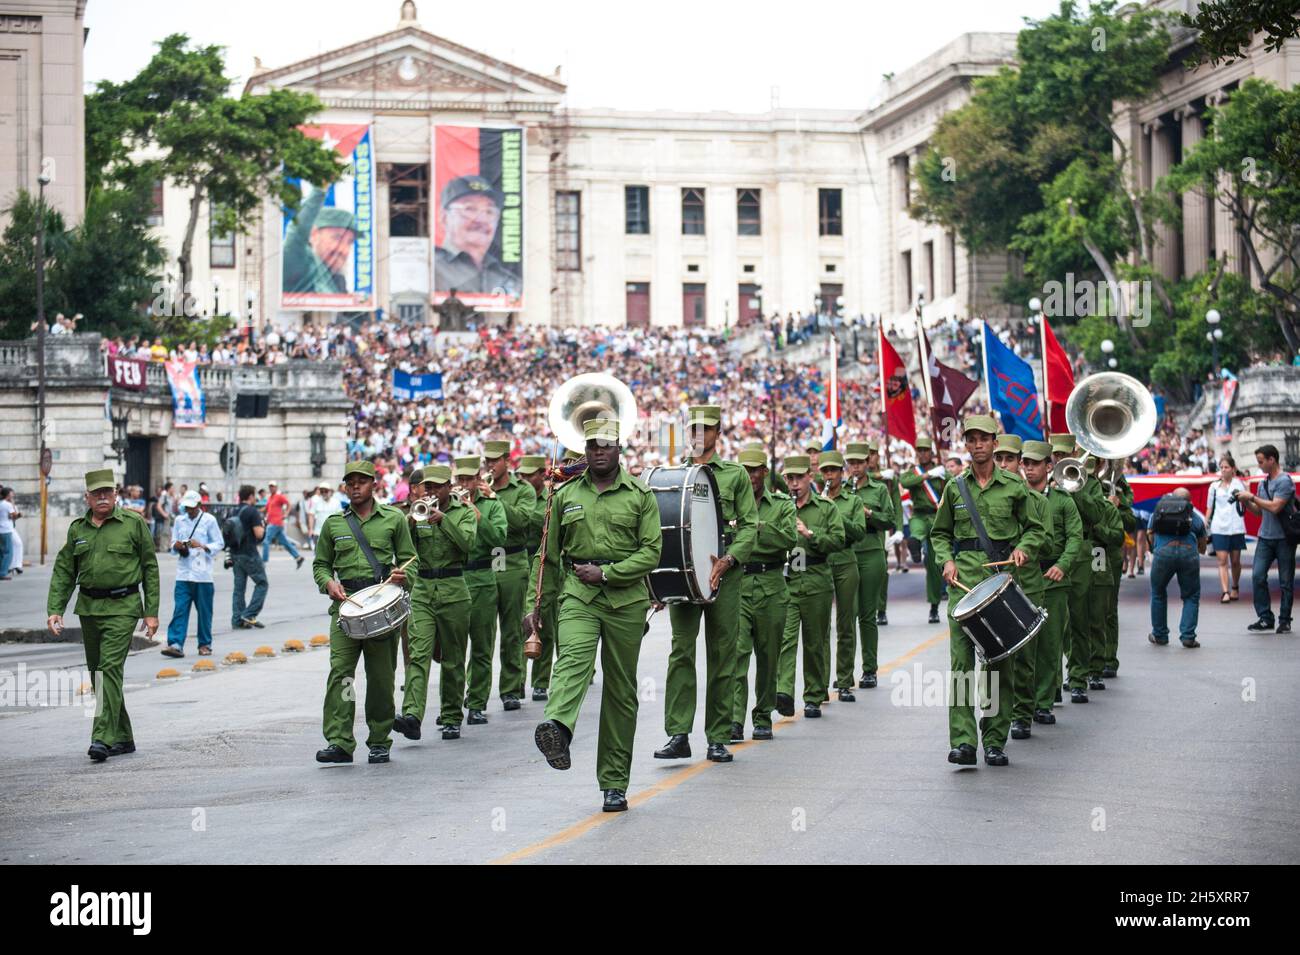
point(42, 181)
point(1107, 347)
point(1212, 318)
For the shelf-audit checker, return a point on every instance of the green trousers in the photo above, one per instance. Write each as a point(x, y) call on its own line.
point(811, 615)
point(541, 669)
point(1047, 654)
point(512, 586)
point(107, 641)
point(1101, 597)
point(762, 621)
point(884, 589)
point(846, 621)
point(934, 586)
point(340, 690)
point(873, 580)
point(1110, 654)
point(448, 625)
point(1080, 626)
point(1026, 666)
point(721, 622)
point(482, 635)
point(619, 633)
point(995, 688)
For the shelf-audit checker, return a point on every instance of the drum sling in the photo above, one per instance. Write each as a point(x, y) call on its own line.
point(376, 569)
point(987, 545)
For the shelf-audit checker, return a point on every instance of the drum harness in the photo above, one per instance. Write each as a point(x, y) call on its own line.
point(994, 553)
point(376, 568)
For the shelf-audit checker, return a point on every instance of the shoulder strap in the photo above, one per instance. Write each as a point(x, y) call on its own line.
point(376, 570)
point(975, 518)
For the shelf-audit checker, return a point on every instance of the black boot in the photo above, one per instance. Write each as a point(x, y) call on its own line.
point(98, 751)
point(121, 749)
point(615, 801)
point(762, 732)
point(846, 695)
point(811, 711)
point(408, 726)
point(677, 747)
point(552, 739)
point(378, 754)
point(476, 718)
point(1095, 683)
point(785, 704)
point(717, 753)
point(1020, 729)
point(1079, 696)
point(333, 753)
point(1044, 716)
point(963, 755)
point(451, 731)
point(539, 694)
point(882, 620)
point(994, 756)
point(737, 733)
point(934, 613)
point(510, 703)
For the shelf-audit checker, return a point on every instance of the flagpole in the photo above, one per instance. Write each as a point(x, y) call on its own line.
point(925, 369)
point(833, 406)
point(1047, 397)
point(880, 364)
point(988, 385)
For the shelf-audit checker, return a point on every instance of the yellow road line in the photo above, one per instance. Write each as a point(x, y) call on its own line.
point(663, 786)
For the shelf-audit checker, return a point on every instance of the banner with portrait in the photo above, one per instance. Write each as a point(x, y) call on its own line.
point(327, 260)
point(189, 408)
point(478, 233)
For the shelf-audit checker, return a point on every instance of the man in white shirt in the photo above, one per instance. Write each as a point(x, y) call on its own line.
point(322, 506)
point(196, 538)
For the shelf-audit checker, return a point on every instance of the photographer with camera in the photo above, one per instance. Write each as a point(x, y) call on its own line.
point(195, 538)
point(243, 531)
point(1279, 530)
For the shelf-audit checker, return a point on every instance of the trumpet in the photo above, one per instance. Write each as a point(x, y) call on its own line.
point(423, 508)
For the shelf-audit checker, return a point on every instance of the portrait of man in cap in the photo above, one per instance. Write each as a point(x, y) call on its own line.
point(318, 247)
point(470, 212)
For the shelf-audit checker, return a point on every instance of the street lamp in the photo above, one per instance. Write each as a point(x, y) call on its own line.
point(1212, 318)
point(42, 180)
point(1035, 308)
point(1108, 346)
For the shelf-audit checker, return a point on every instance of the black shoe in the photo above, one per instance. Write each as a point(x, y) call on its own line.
point(615, 801)
point(934, 613)
point(785, 704)
point(1191, 644)
point(476, 718)
point(1109, 673)
point(993, 756)
point(1020, 729)
point(299, 564)
point(451, 732)
point(509, 703)
point(378, 754)
point(737, 733)
point(408, 726)
point(718, 753)
point(333, 753)
point(811, 711)
point(98, 751)
point(846, 695)
point(963, 755)
point(762, 732)
point(1095, 683)
point(882, 619)
point(1079, 696)
point(1262, 625)
point(1044, 716)
point(869, 681)
point(677, 747)
point(1152, 638)
point(1284, 626)
point(121, 749)
point(552, 739)
point(539, 694)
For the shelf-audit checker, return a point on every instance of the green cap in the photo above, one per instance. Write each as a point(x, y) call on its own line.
point(467, 466)
point(530, 464)
point(796, 464)
point(600, 429)
point(924, 443)
point(1009, 442)
point(979, 422)
point(359, 467)
point(495, 449)
point(571, 455)
point(856, 451)
point(437, 474)
point(830, 459)
point(813, 447)
point(333, 217)
point(753, 459)
point(1062, 441)
point(463, 186)
point(99, 479)
point(710, 415)
point(873, 446)
point(416, 477)
point(754, 446)
point(1036, 451)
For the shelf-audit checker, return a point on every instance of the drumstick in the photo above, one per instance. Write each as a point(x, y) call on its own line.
point(962, 586)
point(403, 567)
point(998, 563)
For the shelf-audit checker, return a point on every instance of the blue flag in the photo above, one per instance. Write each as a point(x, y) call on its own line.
point(1012, 392)
point(408, 387)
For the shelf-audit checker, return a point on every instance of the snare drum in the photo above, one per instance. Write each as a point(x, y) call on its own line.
point(690, 517)
point(383, 608)
point(998, 617)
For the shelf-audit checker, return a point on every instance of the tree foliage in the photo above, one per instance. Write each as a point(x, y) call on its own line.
point(1228, 27)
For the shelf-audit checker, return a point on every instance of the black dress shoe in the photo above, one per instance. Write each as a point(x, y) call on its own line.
point(476, 718)
point(378, 754)
point(811, 711)
point(451, 732)
point(509, 703)
point(934, 613)
point(1095, 683)
point(718, 753)
point(762, 732)
point(408, 726)
point(615, 801)
point(333, 753)
point(1284, 626)
point(785, 704)
point(552, 739)
point(963, 755)
point(1079, 696)
point(846, 696)
point(98, 751)
point(121, 749)
point(1261, 625)
point(677, 747)
point(1020, 729)
point(1109, 673)
point(539, 694)
point(1044, 716)
point(737, 733)
point(882, 620)
point(994, 756)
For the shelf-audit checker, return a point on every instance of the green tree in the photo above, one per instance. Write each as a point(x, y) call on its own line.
point(1228, 27)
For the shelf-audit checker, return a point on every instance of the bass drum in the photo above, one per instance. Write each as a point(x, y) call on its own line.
point(690, 514)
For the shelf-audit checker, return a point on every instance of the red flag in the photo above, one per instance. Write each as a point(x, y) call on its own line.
point(949, 390)
point(1058, 378)
point(895, 394)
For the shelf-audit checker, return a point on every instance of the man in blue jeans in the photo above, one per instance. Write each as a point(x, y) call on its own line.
point(248, 563)
point(1177, 556)
point(195, 537)
point(1276, 495)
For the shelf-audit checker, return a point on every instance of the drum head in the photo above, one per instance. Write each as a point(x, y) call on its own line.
point(370, 599)
point(980, 594)
point(706, 535)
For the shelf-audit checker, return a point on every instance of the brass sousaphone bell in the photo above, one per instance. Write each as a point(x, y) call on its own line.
point(593, 395)
point(1112, 416)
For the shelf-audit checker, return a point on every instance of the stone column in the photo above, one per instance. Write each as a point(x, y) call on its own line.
point(1167, 249)
point(1226, 242)
point(1196, 209)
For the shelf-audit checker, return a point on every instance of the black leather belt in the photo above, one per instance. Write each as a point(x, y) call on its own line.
point(570, 561)
point(359, 583)
point(110, 593)
point(966, 544)
point(763, 568)
point(812, 561)
point(483, 564)
point(444, 572)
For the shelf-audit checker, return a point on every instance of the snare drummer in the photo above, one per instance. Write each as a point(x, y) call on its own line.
point(1012, 525)
point(341, 567)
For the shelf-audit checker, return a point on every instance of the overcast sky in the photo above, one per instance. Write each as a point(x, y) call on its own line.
point(665, 54)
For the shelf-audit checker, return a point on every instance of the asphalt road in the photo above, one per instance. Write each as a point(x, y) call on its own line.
point(1188, 756)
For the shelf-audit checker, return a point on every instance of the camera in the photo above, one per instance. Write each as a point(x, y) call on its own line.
point(183, 549)
point(1234, 495)
point(228, 562)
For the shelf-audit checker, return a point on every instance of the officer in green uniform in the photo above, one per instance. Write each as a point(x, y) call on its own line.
point(925, 482)
point(844, 572)
point(486, 561)
point(532, 469)
point(107, 555)
point(607, 539)
point(890, 480)
point(520, 501)
point(1123, 501)
point(1011, 524)
point(721, 617)
point(813, 450)
point(439, 605)
point(811, 588)
point(774, 481)
point(1056, 560)
point(873, 566)
point(341, 567)
point(763, 600)
point(318, 247)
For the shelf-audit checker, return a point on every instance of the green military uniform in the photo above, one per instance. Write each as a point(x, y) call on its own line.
point(1115, 561)
point(1008, 516)
point(811, 589)
point(1103, 531)
point(763, 601)
point(721, 617)
point(926, 491)
point(873, 563)
point(844, 572)
point(520, 502)
point(541, 669)
point(304, 271)
point(339, 554)
point(618, 528)
point(481, 573)
point(773, 481)
point(896, 503)
point(107, 564)
point(440, 606)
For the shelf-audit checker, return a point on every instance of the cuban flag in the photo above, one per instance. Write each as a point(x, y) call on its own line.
point(1009, 380)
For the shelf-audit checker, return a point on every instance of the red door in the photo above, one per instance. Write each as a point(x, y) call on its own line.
point(750, 308)
point(693, 304)
point(638, 304)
